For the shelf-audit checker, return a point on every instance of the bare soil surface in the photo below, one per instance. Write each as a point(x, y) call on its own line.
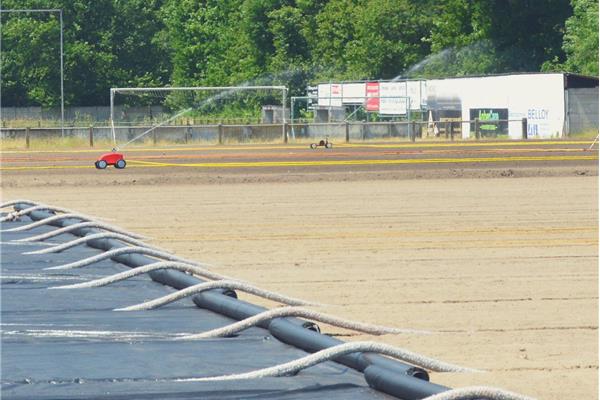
point(502, 268)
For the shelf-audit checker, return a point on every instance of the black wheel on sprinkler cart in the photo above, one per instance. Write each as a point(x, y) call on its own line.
point(120, 164)
point(313, 145)
point(328, 145)
point(101, 164)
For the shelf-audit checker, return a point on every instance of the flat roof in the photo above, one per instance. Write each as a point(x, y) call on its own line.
point(568, 75)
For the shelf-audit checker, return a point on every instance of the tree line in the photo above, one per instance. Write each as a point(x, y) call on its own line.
point(117, 43)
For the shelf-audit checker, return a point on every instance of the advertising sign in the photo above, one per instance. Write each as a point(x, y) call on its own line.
point(393, 98)
point(330, 95)
point(413, 91)
point(372, 93)
point(490, 120)
point(353, 93)
point(538, 121)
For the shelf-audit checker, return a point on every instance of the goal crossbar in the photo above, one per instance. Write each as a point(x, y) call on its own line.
point(167, 89)
point(124, 90)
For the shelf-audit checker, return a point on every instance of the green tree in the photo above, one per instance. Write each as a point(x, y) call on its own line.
point(30, 71)
point(581, 38)
point(107, 43)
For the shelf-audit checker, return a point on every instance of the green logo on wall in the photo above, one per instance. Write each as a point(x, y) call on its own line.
point(492, 121)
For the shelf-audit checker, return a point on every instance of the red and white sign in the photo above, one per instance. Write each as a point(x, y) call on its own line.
point(330, 95)
point(372, 92)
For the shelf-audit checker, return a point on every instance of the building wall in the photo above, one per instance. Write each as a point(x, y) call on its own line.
point(582, 110)
point(537, 97)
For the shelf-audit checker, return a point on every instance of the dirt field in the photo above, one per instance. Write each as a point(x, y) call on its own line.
point(502, 268)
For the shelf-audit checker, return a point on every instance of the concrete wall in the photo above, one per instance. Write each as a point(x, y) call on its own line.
point(357, 131)
point(91, 114)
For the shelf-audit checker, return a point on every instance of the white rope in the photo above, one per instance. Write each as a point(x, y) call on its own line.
point(17, 214)
point(13, 215)
point(479, 393)
point(120, 251)
point(67, 229)
point(85, 239)
point(330, 353)
point(203, 272)
point(13, 202)
point(46, 221)
point(594, 142)
point(244, 324)
point(223, 284)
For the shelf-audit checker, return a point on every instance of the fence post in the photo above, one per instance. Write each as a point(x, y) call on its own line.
point(414, 130)
point(154, 138)
point(91, 136)
point(452, 130)
point(285, 132)
point(447, 129)
point(347, 132)
point(477, 134)
point(188, 132)
point(27, 137)
point(363, 131)
point(524, 128)
point(220, 133)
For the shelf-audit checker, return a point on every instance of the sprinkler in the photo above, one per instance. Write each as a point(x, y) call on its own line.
point(322, 143)
point(112, 158)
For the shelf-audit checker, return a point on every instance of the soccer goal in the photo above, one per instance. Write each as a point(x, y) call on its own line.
point(209, 114)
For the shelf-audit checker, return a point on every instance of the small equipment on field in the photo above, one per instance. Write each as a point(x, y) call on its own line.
point(322, 143)
point(112, 158)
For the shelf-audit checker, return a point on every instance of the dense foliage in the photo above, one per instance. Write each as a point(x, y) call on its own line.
point(111, 43)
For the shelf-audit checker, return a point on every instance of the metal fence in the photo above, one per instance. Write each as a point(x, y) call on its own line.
point(273, 133)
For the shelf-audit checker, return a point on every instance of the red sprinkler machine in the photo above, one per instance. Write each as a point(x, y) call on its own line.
point(112, 158)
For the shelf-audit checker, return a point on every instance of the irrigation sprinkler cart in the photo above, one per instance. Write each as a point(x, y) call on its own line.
point(322, 143)
point(112, 158)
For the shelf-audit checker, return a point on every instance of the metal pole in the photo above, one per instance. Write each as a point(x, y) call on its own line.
point(222, 88)
point(292, 116)
point(283, 126)
point(112, 116)
point(1, 69)
point(62, 80)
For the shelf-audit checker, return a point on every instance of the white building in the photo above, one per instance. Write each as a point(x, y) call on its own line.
point(554, 104)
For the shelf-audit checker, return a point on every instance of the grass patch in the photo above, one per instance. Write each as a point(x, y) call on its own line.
point(591, 135)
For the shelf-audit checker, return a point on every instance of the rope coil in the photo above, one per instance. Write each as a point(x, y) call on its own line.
point(17, 214)
point(120, 251)
point(91, 224)
point(18, 201)
point(87, 238)
point(183, 267)
point(222, 284)
point(331, 353)
point(479, 393)
point(247, 323)
point(46, 221)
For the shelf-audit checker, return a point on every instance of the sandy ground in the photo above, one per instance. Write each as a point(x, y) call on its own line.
point(502, 270)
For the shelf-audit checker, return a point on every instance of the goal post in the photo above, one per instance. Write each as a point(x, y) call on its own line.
point(167, 106)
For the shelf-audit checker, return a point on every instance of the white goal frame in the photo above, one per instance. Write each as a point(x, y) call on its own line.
point(113, 91)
